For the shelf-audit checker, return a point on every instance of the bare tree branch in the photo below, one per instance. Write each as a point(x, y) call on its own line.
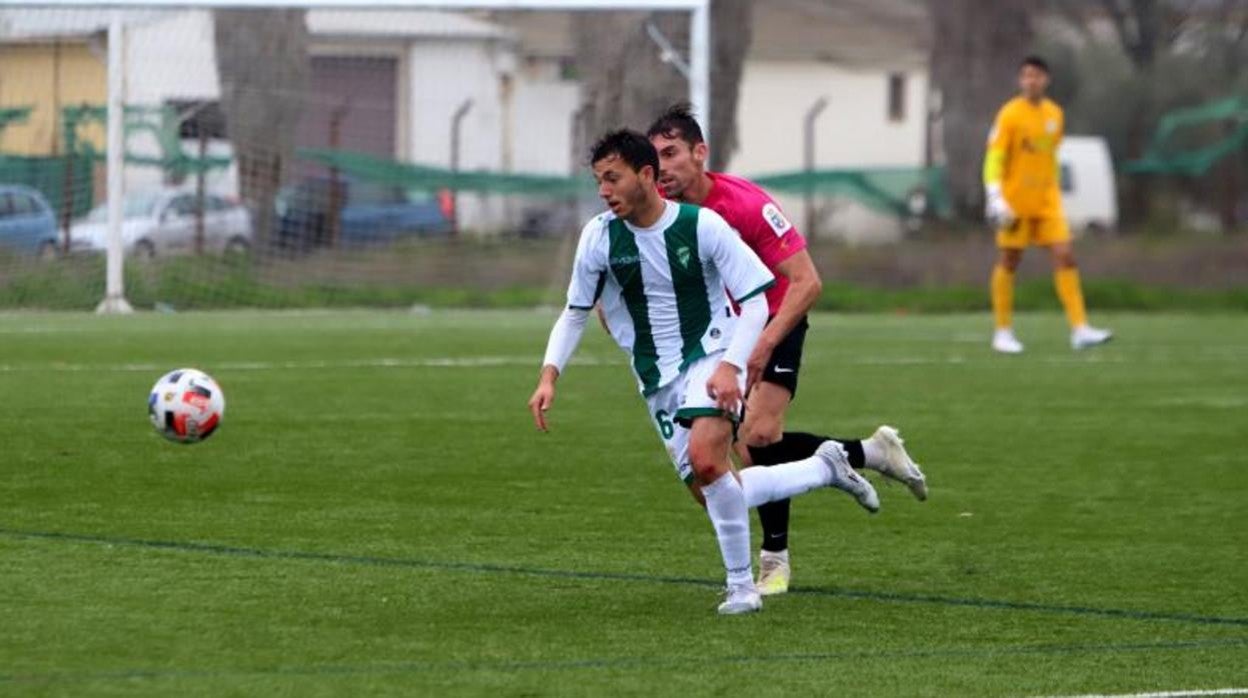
point(262, 62)
point(626, 83)
point(1074, 12)
point(1119, 16)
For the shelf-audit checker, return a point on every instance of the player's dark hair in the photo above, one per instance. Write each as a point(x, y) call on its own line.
point(677, 122)
point(631, 147)
point(1035, 62)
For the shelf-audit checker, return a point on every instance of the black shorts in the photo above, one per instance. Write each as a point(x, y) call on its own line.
point(786, 360)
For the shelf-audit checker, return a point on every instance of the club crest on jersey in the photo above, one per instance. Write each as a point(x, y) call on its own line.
point(779, 224)
point(682, 255)
point(1050, 126)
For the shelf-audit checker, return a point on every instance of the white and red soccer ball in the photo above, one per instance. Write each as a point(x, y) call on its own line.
point(186, 406)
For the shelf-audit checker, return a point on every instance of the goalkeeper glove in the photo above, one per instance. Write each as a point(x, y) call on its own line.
point(997, 210)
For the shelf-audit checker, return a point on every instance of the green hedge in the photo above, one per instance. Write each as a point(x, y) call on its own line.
point(199, 283)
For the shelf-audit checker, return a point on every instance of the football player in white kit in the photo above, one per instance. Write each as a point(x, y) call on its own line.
point(660, 270)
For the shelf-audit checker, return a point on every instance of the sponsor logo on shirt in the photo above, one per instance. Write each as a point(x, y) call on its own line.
point(776, 219)
point(625, 259)
point(682, 255)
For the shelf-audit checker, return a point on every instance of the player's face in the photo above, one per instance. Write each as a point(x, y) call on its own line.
point(620, 186)
point(680, 164)
point(1032, 81)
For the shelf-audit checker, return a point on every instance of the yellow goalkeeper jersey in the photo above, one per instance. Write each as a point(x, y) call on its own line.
point(1022, 157)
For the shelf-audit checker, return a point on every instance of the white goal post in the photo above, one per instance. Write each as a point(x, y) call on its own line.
point(115, 299)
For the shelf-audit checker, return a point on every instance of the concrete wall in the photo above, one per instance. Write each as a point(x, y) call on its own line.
point(854, 130)
point(49, 76)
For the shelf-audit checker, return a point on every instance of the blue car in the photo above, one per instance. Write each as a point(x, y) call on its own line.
point(27, 223)
point(368, 213)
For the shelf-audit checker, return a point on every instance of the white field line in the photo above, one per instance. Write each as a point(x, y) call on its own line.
point(489, 361)
point(1190, 693)
point(436, 362)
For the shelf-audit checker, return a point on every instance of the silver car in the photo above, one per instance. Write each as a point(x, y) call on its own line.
point(163, 223)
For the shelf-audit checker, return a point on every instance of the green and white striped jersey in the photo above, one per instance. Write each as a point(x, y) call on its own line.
point(662, 287)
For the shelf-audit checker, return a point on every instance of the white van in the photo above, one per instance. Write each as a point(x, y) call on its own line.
point(1089, 196)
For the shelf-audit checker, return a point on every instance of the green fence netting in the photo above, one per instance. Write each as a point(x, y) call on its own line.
point(62, 180)
point(1169, 153)
point(885, 189)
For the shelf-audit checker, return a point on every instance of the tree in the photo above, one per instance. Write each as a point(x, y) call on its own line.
point(1169, 54)
point(975, 53)
point(627, 83)
point(262, 63)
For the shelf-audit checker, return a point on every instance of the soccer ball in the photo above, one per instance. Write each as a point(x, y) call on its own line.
point(186, 406)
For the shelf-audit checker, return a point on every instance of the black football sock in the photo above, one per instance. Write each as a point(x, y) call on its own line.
point(799, 445)
point(793, 446)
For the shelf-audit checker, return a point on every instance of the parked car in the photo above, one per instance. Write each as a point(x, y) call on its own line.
point(368, 213)
point(161, 223)
point(27, 222)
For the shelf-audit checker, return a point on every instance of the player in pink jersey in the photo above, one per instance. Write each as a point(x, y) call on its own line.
point(773, 367)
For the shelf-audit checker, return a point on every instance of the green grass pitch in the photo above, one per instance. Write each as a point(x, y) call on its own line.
point(377, 515)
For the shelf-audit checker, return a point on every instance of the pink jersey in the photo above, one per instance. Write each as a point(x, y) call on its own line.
point(761, 223)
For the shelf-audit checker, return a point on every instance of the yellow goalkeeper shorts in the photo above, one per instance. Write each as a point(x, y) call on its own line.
point(1037, 232)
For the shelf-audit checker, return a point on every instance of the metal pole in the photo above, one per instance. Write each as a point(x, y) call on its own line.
point(333, 218)
point(200, 189)
point(809, 162)
point(456, 120)
point(114, 294)
point(700, 65)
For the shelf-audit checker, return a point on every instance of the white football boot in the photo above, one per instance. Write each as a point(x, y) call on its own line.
point(845, 477)
point(1085, 336)
point(897, 464)
point(1004, 341)
point(741, 598)
point(773, 572)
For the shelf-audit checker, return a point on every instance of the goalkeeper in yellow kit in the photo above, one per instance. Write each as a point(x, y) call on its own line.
point(1022, 183)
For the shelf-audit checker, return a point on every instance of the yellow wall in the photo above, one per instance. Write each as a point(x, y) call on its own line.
point(29, 77)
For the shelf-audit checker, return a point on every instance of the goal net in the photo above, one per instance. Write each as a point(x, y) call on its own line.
point(303, 156)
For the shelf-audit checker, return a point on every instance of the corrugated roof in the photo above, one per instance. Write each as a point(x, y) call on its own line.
point(64, 23)
point(51, 23)
point(403, 23)
point(876, 33)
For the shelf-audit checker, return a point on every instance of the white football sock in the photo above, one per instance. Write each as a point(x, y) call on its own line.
point(770, 483)
point(725, 503)
point(872, 454)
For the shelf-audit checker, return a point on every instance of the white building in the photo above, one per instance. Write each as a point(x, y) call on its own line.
point(398, 77)
point(867, 59)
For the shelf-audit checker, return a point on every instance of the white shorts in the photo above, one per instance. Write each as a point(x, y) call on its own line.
point(676, 404)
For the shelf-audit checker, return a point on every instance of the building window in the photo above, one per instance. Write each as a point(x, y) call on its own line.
point(896, 97)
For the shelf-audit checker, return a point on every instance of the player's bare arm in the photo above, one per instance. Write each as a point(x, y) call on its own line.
point(543, 396)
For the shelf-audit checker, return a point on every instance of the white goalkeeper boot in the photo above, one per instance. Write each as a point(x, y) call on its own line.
point(1085, 336)
point(1004, 341)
